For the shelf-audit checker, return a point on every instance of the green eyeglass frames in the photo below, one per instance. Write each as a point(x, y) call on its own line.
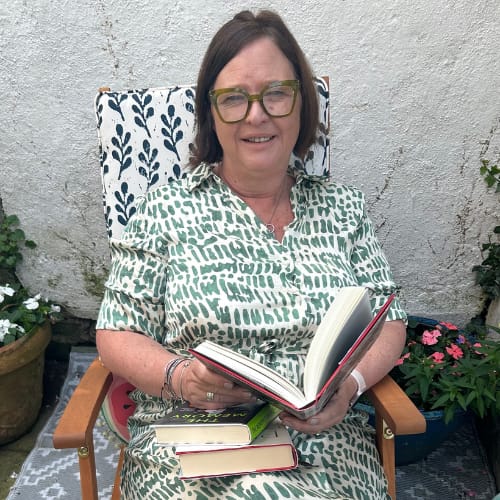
point(277, 100)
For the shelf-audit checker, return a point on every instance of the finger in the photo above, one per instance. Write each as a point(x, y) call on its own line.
point(227, 398)
point(209, 377)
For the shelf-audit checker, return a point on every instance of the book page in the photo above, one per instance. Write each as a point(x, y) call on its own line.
point(342, 324)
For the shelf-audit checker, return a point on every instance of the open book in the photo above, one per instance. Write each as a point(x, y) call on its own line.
point(345, 334)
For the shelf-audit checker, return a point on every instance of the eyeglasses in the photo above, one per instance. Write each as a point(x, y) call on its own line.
point(277, 100)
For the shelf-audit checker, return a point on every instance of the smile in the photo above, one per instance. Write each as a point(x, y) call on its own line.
point(259, 139)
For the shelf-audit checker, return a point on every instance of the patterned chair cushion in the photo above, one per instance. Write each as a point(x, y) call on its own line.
point(117, 407)
point(144, 140)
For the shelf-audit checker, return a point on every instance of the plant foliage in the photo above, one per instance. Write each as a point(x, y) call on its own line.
point(11, 240)
point(442, 368)
point(20, 312)
point(488, 272)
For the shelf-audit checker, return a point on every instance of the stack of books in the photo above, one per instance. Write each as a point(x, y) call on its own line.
point(236, 440)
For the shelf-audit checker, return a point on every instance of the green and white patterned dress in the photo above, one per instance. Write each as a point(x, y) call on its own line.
point(196, 263)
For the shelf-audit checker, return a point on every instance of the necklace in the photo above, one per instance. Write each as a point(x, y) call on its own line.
point(270, 226)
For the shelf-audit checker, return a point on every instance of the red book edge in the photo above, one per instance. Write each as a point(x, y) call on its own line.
point(268, 469)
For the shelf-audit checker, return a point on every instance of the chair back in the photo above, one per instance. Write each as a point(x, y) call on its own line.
point(145, 137)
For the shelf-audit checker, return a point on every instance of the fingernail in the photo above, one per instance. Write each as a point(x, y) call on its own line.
point(313, 421)
point(228, 385)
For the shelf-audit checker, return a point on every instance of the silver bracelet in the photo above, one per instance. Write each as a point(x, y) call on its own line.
point(167, 381)
point(184, 366)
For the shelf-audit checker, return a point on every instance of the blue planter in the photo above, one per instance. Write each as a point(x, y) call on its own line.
point(415, 447)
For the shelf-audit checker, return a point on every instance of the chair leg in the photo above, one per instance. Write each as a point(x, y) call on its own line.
point(386, 448)
point(116, 486)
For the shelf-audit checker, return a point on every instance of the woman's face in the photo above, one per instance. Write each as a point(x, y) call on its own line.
point(259, 142)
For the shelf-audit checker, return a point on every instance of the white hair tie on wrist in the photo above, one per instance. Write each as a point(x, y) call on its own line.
point(360, 381)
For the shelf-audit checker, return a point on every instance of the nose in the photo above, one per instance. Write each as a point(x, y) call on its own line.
point(256, 113)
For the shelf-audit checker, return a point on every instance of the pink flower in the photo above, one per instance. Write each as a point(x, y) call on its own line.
point(401, 360)
point(455, 352)
point(477, 344)
point(430, 337)
point(437, 357)
point(450, 326)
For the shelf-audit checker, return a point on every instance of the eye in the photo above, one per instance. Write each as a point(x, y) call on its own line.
point(231, 99)
point(278, 93)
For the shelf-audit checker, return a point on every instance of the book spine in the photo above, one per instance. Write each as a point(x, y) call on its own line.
point(262, 419)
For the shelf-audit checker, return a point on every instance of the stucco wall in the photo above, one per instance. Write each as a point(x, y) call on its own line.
point(415, 107)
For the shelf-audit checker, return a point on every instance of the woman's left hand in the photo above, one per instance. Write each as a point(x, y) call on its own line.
point(333, 413)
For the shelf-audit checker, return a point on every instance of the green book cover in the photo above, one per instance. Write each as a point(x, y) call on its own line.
point(233, 425)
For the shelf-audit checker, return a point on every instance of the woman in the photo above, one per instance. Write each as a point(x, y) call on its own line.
point(245, 250)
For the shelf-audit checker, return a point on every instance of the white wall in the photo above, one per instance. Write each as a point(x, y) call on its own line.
point(415, 107)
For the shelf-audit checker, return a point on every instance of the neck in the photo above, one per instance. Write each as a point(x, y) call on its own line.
point(254, 188)
point(269, 200)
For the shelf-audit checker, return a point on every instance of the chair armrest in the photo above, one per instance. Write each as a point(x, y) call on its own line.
point(396, 408)
point(75, 427)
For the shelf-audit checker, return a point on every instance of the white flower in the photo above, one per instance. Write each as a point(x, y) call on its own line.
point(32, 303)
point(6, 290)
point(55, 309)
point(5, 326)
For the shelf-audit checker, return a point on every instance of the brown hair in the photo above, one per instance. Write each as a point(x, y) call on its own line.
point(233, 36)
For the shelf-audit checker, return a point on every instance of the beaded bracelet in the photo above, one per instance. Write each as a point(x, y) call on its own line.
point(167, 381)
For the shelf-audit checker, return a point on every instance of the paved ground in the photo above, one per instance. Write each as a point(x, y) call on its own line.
point(12, 455)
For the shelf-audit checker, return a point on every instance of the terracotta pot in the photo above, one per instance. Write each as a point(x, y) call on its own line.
point(21, 383)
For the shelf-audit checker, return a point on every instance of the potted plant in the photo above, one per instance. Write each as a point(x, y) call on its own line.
point(444, 368)
point(450, 375)
point(24, 335)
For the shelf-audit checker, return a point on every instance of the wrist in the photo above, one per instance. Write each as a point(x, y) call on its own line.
point(179, 379)
point(167, 388)
point(360, 386)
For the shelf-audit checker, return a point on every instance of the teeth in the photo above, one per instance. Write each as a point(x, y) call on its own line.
point(259, 139)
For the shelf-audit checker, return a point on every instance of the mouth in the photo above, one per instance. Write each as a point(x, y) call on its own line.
point(259, 140)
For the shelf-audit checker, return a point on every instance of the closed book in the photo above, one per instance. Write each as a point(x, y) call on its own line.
point(235, 425)
point(343, 337)
point(271, 451)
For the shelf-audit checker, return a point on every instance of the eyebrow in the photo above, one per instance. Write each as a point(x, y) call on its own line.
point(263, 86)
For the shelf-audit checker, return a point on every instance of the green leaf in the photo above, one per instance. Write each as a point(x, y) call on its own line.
point(11, 220)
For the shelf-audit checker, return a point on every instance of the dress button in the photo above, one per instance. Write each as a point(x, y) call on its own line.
point(267, 346)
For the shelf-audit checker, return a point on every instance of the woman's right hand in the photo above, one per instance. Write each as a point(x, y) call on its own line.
point(142, 361)
point(206, 389)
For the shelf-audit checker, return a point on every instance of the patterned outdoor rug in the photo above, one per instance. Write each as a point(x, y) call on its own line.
point(457, 470)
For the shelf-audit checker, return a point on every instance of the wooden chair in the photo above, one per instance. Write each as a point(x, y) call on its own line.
point(143, 137)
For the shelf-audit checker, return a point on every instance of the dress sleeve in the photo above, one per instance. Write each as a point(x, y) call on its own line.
point(135, 289)
point(372, 268)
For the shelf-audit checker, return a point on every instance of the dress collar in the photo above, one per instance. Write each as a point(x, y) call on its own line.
point(205, 171)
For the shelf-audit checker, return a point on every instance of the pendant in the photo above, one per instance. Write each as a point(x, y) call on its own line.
point(270, 227)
